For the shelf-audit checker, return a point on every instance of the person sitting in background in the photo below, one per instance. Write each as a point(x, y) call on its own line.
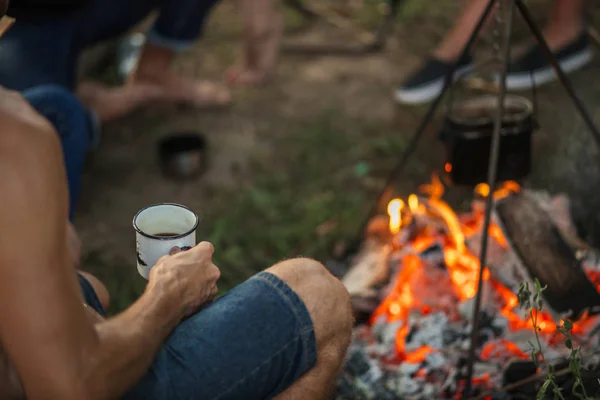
point(565, 33)
point(281, 334)
point(69, 119)
point(77, 133)
point(44, 46)
point(263, 28)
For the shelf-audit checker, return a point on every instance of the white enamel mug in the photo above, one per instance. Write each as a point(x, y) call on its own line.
point(159, 228)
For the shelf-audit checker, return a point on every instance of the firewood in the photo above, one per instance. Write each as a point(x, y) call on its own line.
point(545, 255)
point(369, 267)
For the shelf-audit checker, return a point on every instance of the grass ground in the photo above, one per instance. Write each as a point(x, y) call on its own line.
point(294, 165)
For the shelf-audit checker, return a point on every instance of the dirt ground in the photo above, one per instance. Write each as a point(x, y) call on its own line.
point(294, 165)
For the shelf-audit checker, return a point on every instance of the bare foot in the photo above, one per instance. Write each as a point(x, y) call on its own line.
point(261, 47)
point(239, 75)
point(178, 89)
point(113, 103)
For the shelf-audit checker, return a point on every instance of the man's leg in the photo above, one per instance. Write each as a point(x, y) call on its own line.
point(565, 23)
point(566, 36)
point(328, 303)
point(75, 126)
point(426, 82)
point(449, 49)
point(284, 332)
point(263, 29)
point(179, 25)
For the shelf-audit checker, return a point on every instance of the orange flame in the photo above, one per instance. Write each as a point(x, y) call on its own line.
point(398, 303)
point(595, 278)
point(419, 355)
point(508, 187)
point(394, 210)
point(435, 189)
point(494, 349)
point(463, 270)
point(413, 203)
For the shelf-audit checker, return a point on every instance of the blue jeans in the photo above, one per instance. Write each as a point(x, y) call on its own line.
point(250, 344)
point(45, 51)
point(72, 122)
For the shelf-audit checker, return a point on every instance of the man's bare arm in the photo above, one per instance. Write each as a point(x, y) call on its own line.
point(58, 352)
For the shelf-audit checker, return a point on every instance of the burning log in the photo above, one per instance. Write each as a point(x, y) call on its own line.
point(369, 268)
point(545, 255)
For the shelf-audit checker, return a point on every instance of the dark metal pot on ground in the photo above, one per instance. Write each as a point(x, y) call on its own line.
point(182, 156)
point(467, 134)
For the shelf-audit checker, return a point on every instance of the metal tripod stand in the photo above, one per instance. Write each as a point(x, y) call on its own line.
point(495, 145)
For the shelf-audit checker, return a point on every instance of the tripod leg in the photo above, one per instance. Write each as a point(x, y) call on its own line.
point(416, 137)
point(562, 77)
point(388, 23)
point(489, 200)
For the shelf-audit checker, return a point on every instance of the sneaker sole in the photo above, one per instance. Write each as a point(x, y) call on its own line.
point(525, 80)
point(428, 92)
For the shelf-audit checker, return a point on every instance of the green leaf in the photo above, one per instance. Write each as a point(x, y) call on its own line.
point(567, 324)
point(557, 392)
point(543, 389)
point(578, 389)
point(569, 343)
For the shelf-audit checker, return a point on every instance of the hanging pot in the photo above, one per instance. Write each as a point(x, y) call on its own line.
point(467, 133)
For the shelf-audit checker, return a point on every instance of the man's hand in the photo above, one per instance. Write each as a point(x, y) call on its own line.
point(189, 278)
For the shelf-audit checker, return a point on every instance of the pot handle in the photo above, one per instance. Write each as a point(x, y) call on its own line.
point(485, 86)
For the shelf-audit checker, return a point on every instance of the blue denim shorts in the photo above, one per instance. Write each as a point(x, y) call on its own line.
point(252, 343)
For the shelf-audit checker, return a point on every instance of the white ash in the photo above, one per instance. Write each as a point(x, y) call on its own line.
point(406, 386)
point(407, 368)
point(466, 307)
point(427, 331)
point(436, 360)
point(386, 336)
point(428, 391)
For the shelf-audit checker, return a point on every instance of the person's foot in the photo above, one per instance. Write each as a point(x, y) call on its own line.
point(179, 89)
point(112, 103)
point(427, 83)
point(533, 66)
point(260, 55)
point(146, 65)
point(242, 75)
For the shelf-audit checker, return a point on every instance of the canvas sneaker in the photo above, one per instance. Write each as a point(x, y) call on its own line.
point(427, 83)
point(533, 66)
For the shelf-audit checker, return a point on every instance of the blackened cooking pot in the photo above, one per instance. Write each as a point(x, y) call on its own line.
point(467, 133)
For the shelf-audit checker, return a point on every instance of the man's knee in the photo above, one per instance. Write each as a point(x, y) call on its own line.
point(326, 299)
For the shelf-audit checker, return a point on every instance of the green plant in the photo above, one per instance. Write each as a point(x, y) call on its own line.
point(533, 304)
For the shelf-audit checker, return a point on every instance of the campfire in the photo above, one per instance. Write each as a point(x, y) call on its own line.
point(416, 277)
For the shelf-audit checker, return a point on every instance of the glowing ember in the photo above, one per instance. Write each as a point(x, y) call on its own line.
point(504, 190)
point(418, 355)
point(394, 210)
point(595, 278)
point(500, 349)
